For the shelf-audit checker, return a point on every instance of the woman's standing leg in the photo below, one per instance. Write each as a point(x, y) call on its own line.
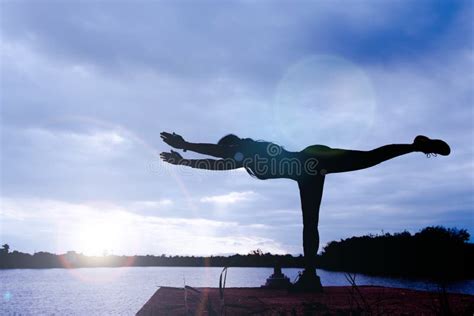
point(311, 192)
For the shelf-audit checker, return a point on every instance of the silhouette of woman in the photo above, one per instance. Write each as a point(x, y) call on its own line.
point(266, 160)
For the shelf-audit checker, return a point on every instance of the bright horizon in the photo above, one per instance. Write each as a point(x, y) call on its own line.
point(87, 87)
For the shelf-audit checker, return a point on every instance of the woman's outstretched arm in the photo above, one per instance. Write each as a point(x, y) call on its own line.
point(207, 164)
point(215, 150)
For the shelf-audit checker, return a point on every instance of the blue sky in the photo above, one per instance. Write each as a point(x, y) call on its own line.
point(87, 86)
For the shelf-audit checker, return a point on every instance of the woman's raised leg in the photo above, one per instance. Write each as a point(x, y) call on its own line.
point(341, 160)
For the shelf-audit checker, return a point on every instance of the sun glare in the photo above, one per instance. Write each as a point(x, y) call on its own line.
point(97, 239)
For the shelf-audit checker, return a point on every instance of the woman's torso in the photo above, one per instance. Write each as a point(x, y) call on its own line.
point(270, 161)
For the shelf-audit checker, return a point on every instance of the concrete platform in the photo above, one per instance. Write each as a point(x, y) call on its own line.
point(340, 300)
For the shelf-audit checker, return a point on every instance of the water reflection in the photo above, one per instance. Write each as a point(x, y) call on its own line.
point(122, 291)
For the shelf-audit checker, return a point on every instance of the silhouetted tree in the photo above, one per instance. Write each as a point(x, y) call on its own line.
point(5, 249)
point(434, 252)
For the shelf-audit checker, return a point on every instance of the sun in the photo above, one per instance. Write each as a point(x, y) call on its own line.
point(97, 239)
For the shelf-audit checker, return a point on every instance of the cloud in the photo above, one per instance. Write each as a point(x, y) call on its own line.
point(152, 204)
point(160, 35)
point(94, 227)
point(230, 198)
point(90, 143)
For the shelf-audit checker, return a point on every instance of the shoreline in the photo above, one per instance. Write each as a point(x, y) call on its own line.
point(392, 276)
point(329, 278)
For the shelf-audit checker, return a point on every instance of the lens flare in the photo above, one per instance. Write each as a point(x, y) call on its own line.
point(324, 100)
point(7, 296)
point(98, 238)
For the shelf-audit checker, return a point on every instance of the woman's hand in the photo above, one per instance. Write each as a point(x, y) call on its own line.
point(172, 157)
point(174, 140)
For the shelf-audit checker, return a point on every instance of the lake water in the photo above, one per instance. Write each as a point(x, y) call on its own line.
point(122, 291)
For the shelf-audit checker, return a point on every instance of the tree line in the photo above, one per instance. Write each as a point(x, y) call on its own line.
point(434, 252)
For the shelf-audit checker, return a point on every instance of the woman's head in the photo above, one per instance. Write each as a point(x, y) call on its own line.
point(230, 140)
point(250, 145)
point(243, 148)
point(234, 140)
point(251, 149)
